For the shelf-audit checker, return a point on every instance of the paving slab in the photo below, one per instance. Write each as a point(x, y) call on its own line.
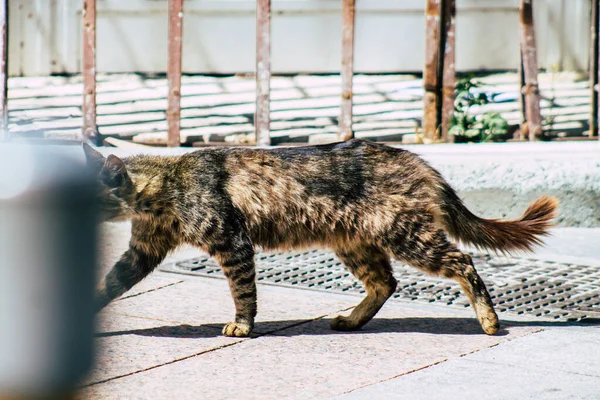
point(571, 350)
point(312, 361)
point(571, 243)
point(555, 364)
point(126, 345)
point(209, 302)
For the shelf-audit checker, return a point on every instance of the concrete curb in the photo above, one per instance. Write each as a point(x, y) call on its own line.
point(498, 180)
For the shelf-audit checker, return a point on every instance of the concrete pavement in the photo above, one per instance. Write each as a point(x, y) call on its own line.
point(557, 363)
point(163, 341)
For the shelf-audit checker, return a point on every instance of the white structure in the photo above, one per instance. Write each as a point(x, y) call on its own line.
point(219, 35)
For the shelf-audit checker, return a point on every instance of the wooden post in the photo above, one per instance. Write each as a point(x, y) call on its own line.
point(431, 81)
point(174, 73)
point(90, 129)
point(594, 54)
point(262, 120)
point(531, 89)
point(449, 71)
point(345, 125)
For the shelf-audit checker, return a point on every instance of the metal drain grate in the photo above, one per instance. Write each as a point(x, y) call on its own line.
point(517, 285)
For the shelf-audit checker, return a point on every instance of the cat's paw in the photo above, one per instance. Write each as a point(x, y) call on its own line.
point(237, 329)
point(341, 323)
point(490, 324)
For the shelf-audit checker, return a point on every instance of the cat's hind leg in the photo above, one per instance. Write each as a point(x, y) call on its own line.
point(426, 247)
point(372, 266)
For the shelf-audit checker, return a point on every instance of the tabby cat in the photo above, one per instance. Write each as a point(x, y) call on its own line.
point(366, 201)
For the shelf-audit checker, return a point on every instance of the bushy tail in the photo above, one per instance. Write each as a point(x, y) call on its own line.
point(493, 234)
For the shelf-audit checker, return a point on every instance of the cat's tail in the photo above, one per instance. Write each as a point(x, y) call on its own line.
point(494, 234)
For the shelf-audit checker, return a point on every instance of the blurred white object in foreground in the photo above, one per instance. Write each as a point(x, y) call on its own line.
point(48, 222)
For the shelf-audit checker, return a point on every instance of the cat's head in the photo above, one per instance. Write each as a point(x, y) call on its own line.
point(117, 191)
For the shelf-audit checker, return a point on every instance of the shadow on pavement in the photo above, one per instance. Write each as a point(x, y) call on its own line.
point(289, 328)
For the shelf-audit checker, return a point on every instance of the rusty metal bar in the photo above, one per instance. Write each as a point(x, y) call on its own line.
point(174, 73)
point(448, 67)
point(531, 89)
point(345, 125)
point(522, 132)
point(4, 134)
point(594, 54)
point(90, 129)
point(431, 78)
point(262, 120)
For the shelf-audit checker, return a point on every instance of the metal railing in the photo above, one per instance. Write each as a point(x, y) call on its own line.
point(4, 68)
point(438, 73)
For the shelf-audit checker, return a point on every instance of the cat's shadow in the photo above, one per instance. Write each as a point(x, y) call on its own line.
point(290, 328)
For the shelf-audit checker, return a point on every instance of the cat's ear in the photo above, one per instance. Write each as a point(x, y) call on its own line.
point(114, 173)
point(95, 159)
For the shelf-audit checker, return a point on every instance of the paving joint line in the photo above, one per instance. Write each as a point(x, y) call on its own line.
point(439, 362)
point(149, 290)
point(163, 364)
point(206, 351)
point(123, 314)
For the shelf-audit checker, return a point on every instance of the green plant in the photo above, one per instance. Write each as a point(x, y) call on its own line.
point(466, 127)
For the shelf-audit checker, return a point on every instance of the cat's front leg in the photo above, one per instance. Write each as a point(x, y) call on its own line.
point(129, 270)
point(237, 263)
point(148, 247)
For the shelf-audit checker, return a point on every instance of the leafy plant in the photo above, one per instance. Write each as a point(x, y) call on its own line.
point(466, 127)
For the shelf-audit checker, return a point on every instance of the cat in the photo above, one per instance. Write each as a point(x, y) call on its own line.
point(365, 201)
